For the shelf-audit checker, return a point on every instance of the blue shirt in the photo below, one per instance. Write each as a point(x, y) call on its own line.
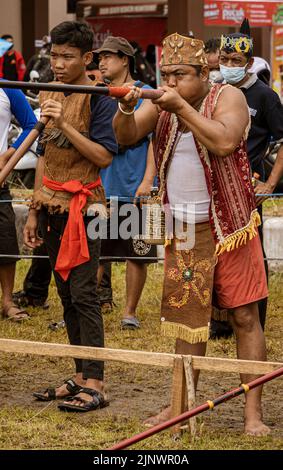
point(266, 121)
point(14, 102)
point(101, 130)
point(123, 177)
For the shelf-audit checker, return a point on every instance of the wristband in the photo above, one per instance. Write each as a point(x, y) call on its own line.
point(127, 113)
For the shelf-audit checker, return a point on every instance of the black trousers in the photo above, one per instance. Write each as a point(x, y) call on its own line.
point(105, 288)
point(262, 304)
point(78, 294)
point(8, 234)
point(38, 277)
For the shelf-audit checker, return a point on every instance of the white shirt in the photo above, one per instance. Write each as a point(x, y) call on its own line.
point(5, 119)
point(13, 102)
point(186, 186)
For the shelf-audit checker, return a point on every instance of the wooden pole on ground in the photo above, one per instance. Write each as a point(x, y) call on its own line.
point(209, 404)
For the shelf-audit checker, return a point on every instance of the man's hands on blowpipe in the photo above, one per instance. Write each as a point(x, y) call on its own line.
point(54, 110)
point(166, 98)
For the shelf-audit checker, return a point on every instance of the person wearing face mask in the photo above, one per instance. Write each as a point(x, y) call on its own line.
point(212, 52)
point(12, 64)
point(266, 112)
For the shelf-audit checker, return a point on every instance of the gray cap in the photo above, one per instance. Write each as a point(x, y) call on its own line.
point(115, 45)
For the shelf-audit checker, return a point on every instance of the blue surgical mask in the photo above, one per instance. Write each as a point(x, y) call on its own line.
point(233, 75)
point(215, 76)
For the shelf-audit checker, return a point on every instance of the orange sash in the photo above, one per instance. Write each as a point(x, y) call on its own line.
point(73, 248)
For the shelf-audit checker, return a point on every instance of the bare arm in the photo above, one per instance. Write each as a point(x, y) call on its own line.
point(5, 157)
point(94, 152)
point(31, 238)
point(129, 129)
point(223, 132)
point(149, 175)
point(39, 172)
point(274, 177)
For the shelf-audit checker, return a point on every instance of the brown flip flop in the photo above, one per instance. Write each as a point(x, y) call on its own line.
point(14, 313)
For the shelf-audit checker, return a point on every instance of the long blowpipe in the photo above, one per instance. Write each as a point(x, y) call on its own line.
point(115, 92)
point(23, 148)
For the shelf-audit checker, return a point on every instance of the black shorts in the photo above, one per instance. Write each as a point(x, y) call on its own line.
point(134, 248)
point(8, 234)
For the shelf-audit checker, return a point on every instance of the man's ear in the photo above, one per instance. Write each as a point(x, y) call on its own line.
point(126, 61)
point(250, 62)
point(88, 57)
point(204, 74)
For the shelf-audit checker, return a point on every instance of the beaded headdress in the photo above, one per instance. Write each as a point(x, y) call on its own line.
point(182, 50)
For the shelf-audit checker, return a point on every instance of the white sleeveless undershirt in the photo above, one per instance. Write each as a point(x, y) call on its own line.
point(186, 187)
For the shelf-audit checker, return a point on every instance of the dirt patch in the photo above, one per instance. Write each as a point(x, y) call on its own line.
point(137, 395)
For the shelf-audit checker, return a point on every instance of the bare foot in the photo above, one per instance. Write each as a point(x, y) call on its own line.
point(161, 417)
point(256, 428)
point(14, 313)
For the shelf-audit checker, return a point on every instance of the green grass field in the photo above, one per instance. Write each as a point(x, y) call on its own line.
point(135, 392)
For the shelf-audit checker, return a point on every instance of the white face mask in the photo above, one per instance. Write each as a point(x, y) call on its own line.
point(216, 76)
point(233, 75)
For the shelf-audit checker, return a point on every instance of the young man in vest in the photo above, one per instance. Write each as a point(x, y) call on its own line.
point(126, 178)
point(205, 178)
point(77, 142)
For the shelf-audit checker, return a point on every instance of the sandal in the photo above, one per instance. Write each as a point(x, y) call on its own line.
point(98, 401)
point(14, 313)
point(130, 323)
point(72, 387)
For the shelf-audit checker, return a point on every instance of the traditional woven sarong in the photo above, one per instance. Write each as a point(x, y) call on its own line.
point(187, 289)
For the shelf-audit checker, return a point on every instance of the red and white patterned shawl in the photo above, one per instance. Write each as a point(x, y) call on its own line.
point(232, 213)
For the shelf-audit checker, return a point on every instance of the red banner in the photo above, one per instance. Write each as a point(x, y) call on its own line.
point(144, 31)
point(232, 13)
